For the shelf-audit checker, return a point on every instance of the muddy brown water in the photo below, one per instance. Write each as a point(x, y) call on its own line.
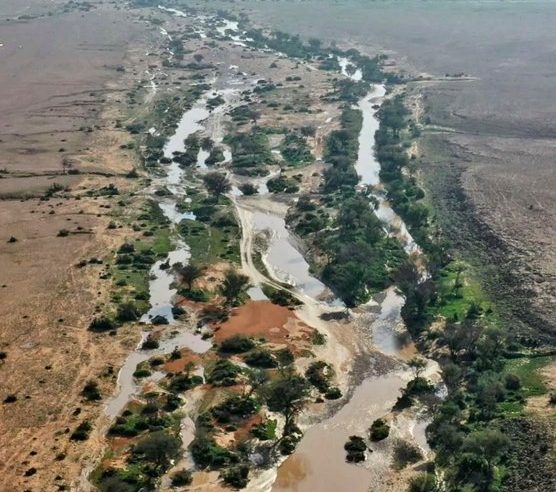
point(319, 462)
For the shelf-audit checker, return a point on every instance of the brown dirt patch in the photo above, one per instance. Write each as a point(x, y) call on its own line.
point(277, 324)
point(179, 365)
point(213, 276)
point(244, 432)
point(540, 405)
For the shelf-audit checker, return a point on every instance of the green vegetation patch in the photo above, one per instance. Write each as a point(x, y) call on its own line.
point(295, 151)
point(528, 370)
point(250, 152)
point(209, 244)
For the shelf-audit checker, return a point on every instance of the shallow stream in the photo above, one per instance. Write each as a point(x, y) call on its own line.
point(319, 462)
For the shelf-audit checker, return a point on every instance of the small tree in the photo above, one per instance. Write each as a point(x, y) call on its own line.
point(158, 448)
point(236, 476)
point(182, 478)
point(91, 391)
point(490, 347)
point(236, 344)
point(217, 183)
point(418, 365)
point(287, 396)
point(379, 430)
point(102, 323)
point(127, 312)
point(489, 444)
point(257, 379)
point(189, 273)
point(234, 285)
point(458, 283)
point(248, 189)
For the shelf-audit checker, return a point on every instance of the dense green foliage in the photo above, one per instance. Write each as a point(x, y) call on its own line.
point(349, 90)
point(355, 448)
point(234, 287)
point(236, 345)
point(223, 373)
point(403, 191)
point(361, 257)
point(262, 358)
point(379, 430)
point(294, 149)
point(250, 152)
point(282, 184)
point(341, 152)
point(235, 409)
point(207, 454)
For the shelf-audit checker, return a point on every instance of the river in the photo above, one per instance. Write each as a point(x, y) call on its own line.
point(318, 464)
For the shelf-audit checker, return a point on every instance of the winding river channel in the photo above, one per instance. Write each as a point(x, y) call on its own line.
point(318, 464)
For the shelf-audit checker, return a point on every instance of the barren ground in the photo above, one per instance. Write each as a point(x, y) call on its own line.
point(58, 77)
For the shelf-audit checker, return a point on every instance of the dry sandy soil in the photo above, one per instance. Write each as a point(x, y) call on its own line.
point(58, 75)
point(493, 173)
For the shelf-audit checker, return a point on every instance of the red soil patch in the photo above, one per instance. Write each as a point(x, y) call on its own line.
point(179, 365)
point(277, 324)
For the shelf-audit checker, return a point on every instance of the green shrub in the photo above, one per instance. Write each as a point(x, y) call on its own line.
point(141, 373)
point(294, 150)
point(127, 311)
point(260, 358)
point(157, 449)
point(102, 323)
point(282, 184)
point(183, 382)
point(319, 374)
point(235, 409)
point(236, 476)
point(236, 345)
point(196, 295)
point(81, 433)
point(355, 448)
point(182, 478)
point(265, 431)
point(379, 430)
point(206, 453)
point(223, 373)
point(333, 394)
point(285, 357)
point(248, 189)
point(91, 391)
point(280, 297)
